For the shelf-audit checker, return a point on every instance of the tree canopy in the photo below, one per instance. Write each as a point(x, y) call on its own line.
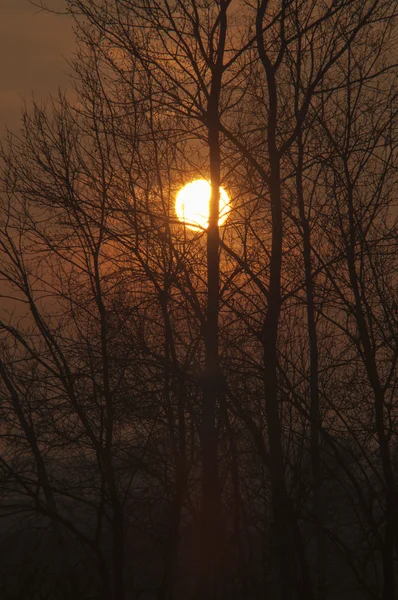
point(204, 414)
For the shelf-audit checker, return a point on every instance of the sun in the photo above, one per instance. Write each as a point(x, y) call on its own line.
point(193, 203)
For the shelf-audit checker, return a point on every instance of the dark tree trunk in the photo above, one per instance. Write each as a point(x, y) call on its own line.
point(282, 546)
point(315, 415)
point(212, 554)
point(281, 541)
point(368, 353)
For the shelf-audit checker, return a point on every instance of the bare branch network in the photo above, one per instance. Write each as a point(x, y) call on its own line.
point(212, 413)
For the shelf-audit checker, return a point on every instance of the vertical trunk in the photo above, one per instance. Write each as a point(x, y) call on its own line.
point(166, 588)
point(118, 557)
point(384, 450)
point(106, 589)
point(212, 534)
point(239, 520)
point(118, 553)
point(315, 416)
point(117, 531)
point(212, 543)
point(369, 358)
point(281, 543)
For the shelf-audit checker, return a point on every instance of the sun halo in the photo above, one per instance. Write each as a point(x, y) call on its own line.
point(193, 204)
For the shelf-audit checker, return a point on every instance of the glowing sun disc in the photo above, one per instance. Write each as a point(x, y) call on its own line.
point(193, 204)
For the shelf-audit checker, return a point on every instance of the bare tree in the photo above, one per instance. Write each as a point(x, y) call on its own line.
point(193, 376)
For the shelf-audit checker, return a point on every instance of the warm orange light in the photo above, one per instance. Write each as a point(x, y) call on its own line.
point(193, 204)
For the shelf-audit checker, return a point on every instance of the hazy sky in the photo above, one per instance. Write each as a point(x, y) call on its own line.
point(32, 47)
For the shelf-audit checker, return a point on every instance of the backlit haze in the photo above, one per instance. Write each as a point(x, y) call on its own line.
point(33, 49)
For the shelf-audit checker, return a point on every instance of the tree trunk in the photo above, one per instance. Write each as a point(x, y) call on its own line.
point(281, 543)
point(212, 531)
point(315, 416)
point(368, 354)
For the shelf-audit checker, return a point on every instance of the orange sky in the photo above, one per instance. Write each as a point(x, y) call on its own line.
point(32, 47)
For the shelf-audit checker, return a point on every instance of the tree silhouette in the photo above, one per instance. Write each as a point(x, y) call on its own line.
point(206, 414)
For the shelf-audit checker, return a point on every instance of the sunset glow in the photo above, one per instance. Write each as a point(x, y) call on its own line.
point(193, 203)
